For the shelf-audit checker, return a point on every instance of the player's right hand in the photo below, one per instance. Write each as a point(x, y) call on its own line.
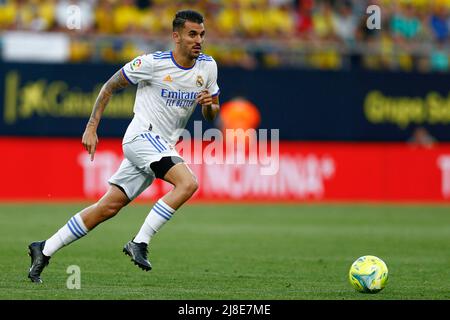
point(90, 141)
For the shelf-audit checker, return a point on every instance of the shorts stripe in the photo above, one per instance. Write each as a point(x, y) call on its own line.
point(159, 142)
point(156, 141)
point(149, 138)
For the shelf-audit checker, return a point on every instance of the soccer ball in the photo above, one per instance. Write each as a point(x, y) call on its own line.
point(368, 274)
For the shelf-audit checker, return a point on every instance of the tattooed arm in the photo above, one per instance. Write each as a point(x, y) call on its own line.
point(90, 139)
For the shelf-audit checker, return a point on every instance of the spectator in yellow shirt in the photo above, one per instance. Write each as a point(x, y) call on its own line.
point(126, 17)
point(104, 17)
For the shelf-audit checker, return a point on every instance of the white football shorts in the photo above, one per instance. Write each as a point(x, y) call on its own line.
point(134, 174)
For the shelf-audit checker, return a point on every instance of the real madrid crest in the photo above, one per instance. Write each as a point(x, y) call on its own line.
point(199, 81)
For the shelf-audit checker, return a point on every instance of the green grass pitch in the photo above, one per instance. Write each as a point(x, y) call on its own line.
point(235, 252)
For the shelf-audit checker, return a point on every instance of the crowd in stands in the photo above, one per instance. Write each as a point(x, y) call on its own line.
point(326, 34)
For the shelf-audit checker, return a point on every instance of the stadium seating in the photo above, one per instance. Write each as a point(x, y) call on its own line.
point(319, 34)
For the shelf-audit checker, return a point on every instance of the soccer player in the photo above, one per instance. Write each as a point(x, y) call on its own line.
point(170, 85)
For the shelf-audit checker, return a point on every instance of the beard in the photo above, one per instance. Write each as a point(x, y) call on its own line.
point(194, 55)
point(189, 50)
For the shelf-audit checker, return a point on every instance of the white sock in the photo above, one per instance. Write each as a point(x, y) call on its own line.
point(158, 216)
point(71, 231)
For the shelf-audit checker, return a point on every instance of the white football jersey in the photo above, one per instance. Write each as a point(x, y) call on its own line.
point(166, 93)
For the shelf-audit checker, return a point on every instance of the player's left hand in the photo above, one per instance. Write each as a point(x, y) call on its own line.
point(90, 140)
point(204, 98)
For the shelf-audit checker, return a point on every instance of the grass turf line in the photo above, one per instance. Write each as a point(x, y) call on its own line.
point(234, 252)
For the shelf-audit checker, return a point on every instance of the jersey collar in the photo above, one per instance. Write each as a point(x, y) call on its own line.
point(181, 67)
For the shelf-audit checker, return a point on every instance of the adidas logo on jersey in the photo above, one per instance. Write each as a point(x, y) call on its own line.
point(168, 78)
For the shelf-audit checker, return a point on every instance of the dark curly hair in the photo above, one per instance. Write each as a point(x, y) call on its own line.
point(186, 15)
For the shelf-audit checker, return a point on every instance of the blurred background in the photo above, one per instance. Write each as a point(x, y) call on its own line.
point(363, 113)
point(317, 34)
